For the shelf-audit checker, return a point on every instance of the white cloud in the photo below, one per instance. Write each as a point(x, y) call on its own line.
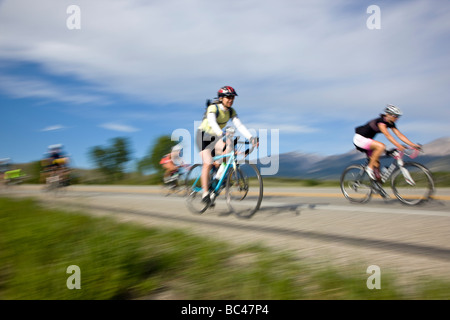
point(20, 87)
point(298, 58)
point(53, 128)
point(118, 127)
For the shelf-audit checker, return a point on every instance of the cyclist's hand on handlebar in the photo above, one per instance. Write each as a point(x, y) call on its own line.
point(254, 141)
point(401, 148)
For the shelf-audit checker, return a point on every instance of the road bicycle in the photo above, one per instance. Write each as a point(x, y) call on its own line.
point(241, 181)
point(14, 177)
point(56, 180)
point(411, 182)
point(176, 183)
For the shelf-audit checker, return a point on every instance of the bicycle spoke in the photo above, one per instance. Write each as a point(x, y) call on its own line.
point(194, 190)
point(244, 190)
point(356, 184)
point(412, 184)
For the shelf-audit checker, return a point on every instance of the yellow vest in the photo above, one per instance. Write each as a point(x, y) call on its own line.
point(222, 118)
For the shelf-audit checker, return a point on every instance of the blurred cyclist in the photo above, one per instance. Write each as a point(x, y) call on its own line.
point(363, 139)
point(171, 162)
point(55, 160)
point(4, 167)
point(210, 134)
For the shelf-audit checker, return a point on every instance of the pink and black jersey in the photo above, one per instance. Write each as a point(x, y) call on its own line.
point(370, 129)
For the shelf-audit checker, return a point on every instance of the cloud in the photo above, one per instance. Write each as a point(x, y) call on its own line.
point(118, 127)
point(53, 128)
point(298, 58)
point(20, 87)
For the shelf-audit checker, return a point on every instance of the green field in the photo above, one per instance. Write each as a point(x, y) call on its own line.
point(126, 261)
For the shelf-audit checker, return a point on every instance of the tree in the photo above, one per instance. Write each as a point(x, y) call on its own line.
point(111, 160)
point(161, 147)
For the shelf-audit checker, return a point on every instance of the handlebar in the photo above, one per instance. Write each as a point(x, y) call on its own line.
point(409, 151)
point(229, 133)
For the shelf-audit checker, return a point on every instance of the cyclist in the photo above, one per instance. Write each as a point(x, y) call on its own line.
point(171, 162)
point(210, 135)
point(363, 139)
point(4, 167)
point(55, 159)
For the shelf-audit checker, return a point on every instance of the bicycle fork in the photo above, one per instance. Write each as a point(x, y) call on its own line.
point(409, 180)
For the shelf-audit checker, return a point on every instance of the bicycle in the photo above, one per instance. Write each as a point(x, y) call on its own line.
point(14, 177)
point(56, 179)
point(411, 182)
point(177, 181)
point(236, 180)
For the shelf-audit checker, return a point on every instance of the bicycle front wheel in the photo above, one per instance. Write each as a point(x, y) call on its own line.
point(244, 190)
point(194, 190)
point(412, 184)
point(355, 184)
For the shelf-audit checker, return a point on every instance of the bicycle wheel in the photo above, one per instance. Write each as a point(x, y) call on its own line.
point(412, 184)
point(244, 190)
point(355, 184)
point(194, 190)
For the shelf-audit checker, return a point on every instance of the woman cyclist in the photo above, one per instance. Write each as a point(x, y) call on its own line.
point(171, 162)
point(363, 139)
point(210, 134)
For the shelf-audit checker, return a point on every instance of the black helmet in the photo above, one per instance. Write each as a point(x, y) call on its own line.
point(226, 91)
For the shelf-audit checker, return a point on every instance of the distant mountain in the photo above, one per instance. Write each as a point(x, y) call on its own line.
point(312, 166)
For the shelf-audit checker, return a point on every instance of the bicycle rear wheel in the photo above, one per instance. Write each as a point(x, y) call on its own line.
point(194, 190)
point(355, 184)
point(412, 184)
point(244, 190)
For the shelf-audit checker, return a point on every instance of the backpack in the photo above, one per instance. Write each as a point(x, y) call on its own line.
point(215, 102)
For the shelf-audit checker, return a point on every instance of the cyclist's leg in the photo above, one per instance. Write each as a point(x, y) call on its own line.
point(206, 168)
point(374, 150)
point(170, 168)
point(206, 144)
point(378, 148)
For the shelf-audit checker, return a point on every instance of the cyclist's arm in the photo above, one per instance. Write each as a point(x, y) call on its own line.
point(213, 123)
point(243, 129)
point(384, 130)
point(402, 137)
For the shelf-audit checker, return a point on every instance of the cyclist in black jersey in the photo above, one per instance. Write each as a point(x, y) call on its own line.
point(364, 137)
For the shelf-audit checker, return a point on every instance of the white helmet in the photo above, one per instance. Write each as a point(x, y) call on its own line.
point(391, 109)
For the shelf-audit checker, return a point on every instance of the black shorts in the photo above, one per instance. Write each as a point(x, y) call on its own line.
point(205, 141)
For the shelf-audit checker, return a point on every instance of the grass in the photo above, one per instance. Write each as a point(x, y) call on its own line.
point(126, 261)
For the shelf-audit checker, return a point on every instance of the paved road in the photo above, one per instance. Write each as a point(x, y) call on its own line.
point(317, 224)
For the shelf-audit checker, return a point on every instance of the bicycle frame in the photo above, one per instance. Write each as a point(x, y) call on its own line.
point(397, 162)
point(234, 180)
point(411, 182)
point(231, 162)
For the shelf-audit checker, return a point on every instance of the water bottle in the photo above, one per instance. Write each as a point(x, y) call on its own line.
point(220, 171)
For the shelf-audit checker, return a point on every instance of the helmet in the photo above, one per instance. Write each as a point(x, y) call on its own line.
point(391, 109)
point(55, 147)
point(226, 91)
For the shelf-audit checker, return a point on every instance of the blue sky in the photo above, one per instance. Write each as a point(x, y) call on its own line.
point(311, 70)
